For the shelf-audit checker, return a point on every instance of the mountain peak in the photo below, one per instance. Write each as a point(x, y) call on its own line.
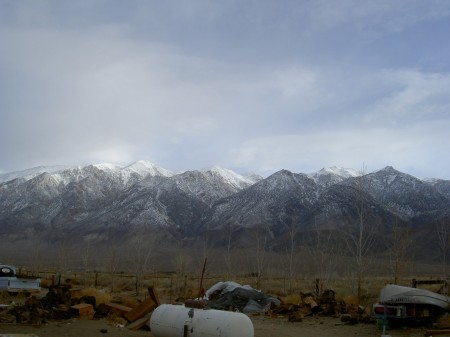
point(388, 170)
point(346, 172)
point(107, 166)
point(145, 167)
point(230, 176)
point(339, 171)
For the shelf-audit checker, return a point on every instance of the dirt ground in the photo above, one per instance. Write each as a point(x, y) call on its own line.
point(264, 327)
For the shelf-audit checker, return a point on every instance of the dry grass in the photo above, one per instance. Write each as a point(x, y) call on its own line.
point(170, 286)
point(101, 296)
point(443, 322)
point(293, 299)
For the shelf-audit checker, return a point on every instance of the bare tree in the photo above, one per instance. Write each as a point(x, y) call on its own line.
point(113, 250)
point(36, 258)
point(322, 249)
point(182, 262)
point(360, 232)
point(141, 251)
point(399, 245)
point(443, 238)
point(63, 257)
point(262, 235)
point(228, 253)
point(86, 262)
point(291, 253)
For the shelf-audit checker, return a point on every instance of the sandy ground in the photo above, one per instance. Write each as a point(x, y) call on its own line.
point(264, 327)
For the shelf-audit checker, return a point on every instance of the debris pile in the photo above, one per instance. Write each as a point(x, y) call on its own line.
point(233, 296)
point(325, 305)
point(63, 302)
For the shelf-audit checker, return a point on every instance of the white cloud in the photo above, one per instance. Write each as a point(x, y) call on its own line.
point(412, 149)
point(415, 96)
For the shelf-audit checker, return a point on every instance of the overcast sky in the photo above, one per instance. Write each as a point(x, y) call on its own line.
point(250, 85)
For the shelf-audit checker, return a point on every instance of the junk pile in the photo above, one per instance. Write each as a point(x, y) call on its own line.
point(323, 305)
point(235, 297)
point(232, 296)
point(64, 302)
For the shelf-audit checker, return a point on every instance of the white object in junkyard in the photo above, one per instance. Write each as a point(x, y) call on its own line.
point(177, 320)
point(392, 293)
point(225, 287)
point(10, 282)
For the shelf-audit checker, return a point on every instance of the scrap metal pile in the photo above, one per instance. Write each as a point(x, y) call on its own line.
point(56, 304)
point(324, 305)
point(232, 296)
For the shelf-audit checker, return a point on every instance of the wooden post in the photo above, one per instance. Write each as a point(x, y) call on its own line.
point(170, 291)
point(317, 287)
point(201, 291)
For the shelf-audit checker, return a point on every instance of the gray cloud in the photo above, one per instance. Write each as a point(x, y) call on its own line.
point(252, 86)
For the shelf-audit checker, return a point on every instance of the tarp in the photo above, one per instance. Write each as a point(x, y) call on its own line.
point(229, 294)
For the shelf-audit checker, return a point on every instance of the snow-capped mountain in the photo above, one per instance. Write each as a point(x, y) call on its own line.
point(110, 201)
point(336, 171)
point(144, 168)
point(406, 196)
point(273, 201)
point(213, 184)
point(134, 172)
point(109, 195)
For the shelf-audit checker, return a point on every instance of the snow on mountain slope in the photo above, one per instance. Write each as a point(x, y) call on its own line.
point(66, 174)
point(327, 177)
point(343, 172)
point(253, 177)
point(135, 171)
point(229, 177)
point(337, 171)
point(145, 194)
point(30, 173)
point(77, 194)
point(108, 167)
point(141, 169)
point(275, 200)
point(402, 193)
point(144, 167)
point(443, 186)
point(211, 185)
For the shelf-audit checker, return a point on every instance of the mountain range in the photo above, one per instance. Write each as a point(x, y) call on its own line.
point(106, 202)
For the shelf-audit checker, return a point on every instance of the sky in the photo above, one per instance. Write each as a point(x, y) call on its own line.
point(249, 85)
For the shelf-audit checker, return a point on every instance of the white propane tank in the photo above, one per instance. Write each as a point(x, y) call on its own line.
point(179, 321)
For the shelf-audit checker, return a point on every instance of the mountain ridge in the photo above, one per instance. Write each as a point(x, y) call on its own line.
point(110, 202)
